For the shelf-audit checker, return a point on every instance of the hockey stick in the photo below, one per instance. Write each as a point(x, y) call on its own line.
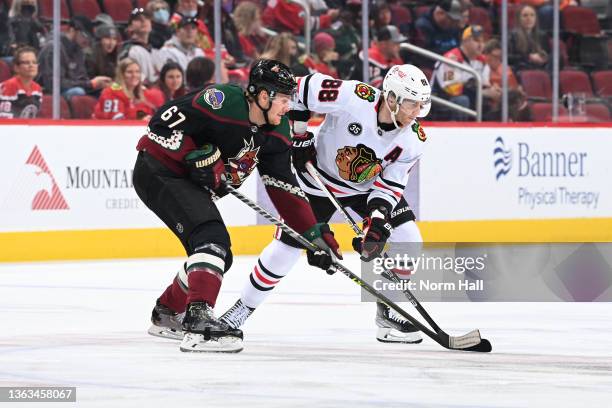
point(387, 274)
point(468, 342)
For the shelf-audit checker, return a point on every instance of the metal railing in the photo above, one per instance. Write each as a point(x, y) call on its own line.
point(464, 67)
point(307, 23)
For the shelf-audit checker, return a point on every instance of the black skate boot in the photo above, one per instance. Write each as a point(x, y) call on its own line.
point(394, 328)
point(166, 323)
point(205, 333)
point(236, 315)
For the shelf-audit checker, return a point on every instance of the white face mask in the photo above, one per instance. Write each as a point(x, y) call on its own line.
point(191, 13)
point(161, 16)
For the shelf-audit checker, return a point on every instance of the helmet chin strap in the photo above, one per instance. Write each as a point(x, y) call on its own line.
point(393, 112)
point(265, 111)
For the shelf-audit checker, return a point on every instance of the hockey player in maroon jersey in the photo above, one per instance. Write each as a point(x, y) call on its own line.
point(194, 143)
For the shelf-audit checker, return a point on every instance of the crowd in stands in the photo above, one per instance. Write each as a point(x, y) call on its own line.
point(124, 64)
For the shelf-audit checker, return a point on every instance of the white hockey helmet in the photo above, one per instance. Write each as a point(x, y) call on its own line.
point(407, 82)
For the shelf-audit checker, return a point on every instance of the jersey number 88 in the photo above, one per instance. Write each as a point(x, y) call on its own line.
point(329, 93)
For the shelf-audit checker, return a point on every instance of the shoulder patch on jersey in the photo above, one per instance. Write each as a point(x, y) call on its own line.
point(355, 128)
point(418, 129)
point(365, 92)
point(115, 86)
point(214, 97)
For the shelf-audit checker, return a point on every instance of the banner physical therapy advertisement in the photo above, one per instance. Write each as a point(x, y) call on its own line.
point(515, 173)
point(80, 177)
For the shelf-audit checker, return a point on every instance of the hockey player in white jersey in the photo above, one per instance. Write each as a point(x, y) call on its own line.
point(364, 151)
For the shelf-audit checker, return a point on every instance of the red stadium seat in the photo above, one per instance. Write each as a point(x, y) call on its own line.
point(542, 112)
point(46, 108)
point(401, 17)
point(82, 107)
point(602, 81)
point(5, 71)
point(45, 10)
point(119, 10)
point(597, 112)
point(87, 8)
point(480, 16)
point(580, 20)
point(536, 84)
point(420, 11)
point(571, 81)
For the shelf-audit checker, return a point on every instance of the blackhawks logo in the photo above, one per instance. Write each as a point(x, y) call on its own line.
point(241, 165)
point(357, 164)
point(416, 128)
point(365, 92)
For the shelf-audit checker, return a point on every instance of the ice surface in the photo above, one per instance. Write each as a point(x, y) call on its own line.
point(312, 344)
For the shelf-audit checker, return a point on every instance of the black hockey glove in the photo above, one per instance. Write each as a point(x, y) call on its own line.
point(376, 231)
point(303, 151)
point(206, 167)
point(323, 237)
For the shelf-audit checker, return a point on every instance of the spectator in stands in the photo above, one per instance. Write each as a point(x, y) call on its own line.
point(137, 47)
point(285, 15)
point(126, 98)
point(380, 16)
point(440, 29)
point(182, 47)
point(4, 30)
point(322, 60)
point(347, 35)
point(247, 18)
point(229, 33)
point(171, 83)
point(383, 54)
point(189, 8)
point(201, 72)
point(102, 60)
point(457, 85)
point(24, 27)
point(283, 48)
point(528, 47)
point(20, 96)
point(517, 99)
point(73, 74)
point(160, 23)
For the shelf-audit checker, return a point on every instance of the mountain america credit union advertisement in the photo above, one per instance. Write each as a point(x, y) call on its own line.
point(80, 178)
point(516, 173)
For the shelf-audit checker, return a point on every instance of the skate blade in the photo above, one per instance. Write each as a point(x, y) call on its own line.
point(388, 335)
point(194, 342)
point(165, 333)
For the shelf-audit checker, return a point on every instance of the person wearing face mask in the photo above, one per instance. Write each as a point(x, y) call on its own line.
point(24, 27)
point(160, 23)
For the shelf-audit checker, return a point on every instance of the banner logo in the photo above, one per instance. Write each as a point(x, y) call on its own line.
point(502, 158)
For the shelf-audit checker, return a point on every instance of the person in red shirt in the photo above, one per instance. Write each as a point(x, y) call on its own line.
point(286, 15)
point(322, 60)
point(247, 18)
point(20, 96)
point(127, 97)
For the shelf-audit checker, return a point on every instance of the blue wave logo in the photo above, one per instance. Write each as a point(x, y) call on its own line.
point(502, 158)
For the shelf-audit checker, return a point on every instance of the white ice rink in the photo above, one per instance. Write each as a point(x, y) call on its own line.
point(311, 345)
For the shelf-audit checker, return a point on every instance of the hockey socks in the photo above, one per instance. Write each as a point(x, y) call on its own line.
point(204, 275)
point(276, 260)
point(175, 295)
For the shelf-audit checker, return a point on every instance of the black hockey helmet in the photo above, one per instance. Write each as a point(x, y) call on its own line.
point(272, 76)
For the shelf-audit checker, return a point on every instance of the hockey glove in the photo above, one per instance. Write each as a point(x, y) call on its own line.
point(376, 231)
point(303, 151)
point(322, 237)
point(206, 167)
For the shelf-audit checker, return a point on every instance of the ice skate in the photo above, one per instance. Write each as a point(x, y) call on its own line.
point(236, 315)
point(166, 323)
point(393, 328)
point(205, 333)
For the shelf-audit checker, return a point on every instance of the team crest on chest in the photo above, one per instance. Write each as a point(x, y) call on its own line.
point(416, 128)
point(357, 163)
point(365, 92)
point(214, 98)
point(240, 166)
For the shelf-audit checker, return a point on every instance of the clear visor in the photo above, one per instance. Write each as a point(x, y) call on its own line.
point(405, 104)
